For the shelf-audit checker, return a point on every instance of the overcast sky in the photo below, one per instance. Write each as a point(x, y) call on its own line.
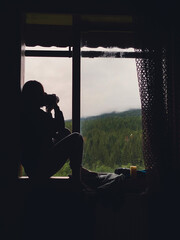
point(107, 84)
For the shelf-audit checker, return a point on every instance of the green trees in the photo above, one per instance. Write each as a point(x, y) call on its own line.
point(110, 141)
point(113, 140)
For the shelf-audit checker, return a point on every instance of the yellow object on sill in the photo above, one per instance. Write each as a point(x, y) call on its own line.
point(133, 171)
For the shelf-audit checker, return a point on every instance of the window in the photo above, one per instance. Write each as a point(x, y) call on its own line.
point(109, 108)
point(110, 112)
point(55, 74)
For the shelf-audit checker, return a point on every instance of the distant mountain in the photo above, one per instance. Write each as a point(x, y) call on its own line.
point(128, 113)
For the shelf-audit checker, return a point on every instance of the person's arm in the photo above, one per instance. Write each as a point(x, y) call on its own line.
point(59, 118)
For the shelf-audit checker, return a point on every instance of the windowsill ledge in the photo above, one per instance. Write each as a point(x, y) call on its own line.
point(60, 183)
point(56, 178)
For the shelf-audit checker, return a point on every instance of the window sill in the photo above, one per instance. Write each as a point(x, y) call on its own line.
point(59, 183)
point(57, 178)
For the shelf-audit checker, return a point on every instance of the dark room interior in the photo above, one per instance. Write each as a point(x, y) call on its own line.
point(52, 210)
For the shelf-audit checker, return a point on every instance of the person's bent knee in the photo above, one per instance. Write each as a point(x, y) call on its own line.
point(77, 137)
point(77, 149)
point(77, 140)
point(67, 131)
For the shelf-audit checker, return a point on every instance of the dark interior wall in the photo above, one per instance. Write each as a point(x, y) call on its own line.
point(10, 42)
point(10, 89)
point(11, 19)
point(11, 16)
point(175, 94)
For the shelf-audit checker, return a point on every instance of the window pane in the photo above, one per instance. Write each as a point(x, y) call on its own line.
point(111, 113)
point(55, 74)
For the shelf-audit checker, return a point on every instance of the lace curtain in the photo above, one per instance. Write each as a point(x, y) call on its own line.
point(153, 86)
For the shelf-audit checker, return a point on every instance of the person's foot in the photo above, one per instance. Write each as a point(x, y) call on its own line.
point(85, 173)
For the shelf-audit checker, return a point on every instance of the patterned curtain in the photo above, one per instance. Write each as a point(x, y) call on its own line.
point(152, 73)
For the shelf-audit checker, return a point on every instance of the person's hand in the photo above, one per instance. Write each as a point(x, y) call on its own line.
point(51, 101)
point(56, 107)
point(49, 108)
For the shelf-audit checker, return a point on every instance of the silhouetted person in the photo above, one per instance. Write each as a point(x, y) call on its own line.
point(46, 143)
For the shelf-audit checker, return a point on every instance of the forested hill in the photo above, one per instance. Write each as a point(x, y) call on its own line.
point(128, 113)
point(112, 140)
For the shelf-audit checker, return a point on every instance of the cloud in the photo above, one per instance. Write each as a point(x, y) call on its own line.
point(109, 85)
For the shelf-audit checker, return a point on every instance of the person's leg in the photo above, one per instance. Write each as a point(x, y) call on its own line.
point(69, 147)
point(76, 156)
point(62, 135)
point(86, 173)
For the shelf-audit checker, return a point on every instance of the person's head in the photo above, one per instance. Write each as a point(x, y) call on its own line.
point(33, 94)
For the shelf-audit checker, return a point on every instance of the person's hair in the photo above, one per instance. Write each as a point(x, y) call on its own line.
point(33, 94)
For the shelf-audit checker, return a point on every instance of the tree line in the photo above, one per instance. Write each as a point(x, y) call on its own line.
point(110, 141)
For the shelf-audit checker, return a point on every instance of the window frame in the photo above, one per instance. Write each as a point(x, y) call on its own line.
point(80, 24)
point(76, 55)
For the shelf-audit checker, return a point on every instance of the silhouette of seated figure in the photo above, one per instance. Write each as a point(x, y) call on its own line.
point(46, 143)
